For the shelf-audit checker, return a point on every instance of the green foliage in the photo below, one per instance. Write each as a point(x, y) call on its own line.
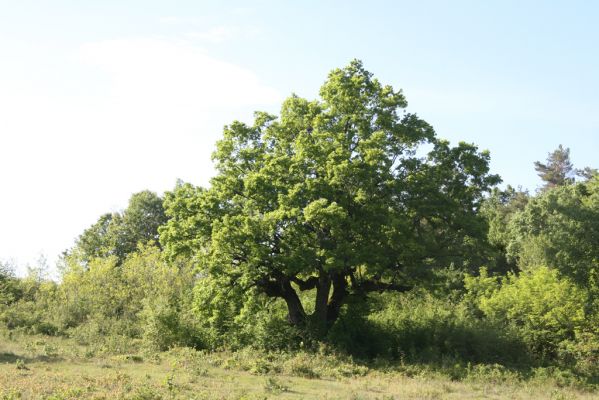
point(186, 208)
point(28, 303)
point(170, 322)
point(542, 308)
point(332, 195)
point(587, 173)
point(144, 297)
point(119, 234)
point(476, 288)
point(236, 319)
point(499, 209)
point(560, 229)
point(582, 353)
point(9, 286)
point(97, 240)
point(558, 171)
point(417, 326)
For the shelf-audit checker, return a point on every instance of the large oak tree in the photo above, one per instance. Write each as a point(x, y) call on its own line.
point(345, 194)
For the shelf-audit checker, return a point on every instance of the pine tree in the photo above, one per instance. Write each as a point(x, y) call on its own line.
point(558, 171)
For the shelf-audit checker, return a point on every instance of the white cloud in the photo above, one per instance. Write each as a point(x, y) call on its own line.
point(118, 116)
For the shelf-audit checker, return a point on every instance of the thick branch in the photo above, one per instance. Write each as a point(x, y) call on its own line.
point(308, 284)
point(270, 288)
point(281, 287)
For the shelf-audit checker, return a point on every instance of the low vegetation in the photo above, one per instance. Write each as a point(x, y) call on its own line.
point(38, 366)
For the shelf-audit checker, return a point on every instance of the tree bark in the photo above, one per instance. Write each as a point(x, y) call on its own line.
point(336, 301)
point(281, 287)
point(296, 314)
point(322, 297)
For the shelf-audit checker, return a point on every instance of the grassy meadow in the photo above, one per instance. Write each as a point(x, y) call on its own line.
point(42, 367)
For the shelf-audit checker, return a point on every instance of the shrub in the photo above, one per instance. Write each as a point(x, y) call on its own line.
point(543, 308)
point(582, 353)
point(417, 326)
point(169, 322)
point(237, 319)
point(32, 310)
point(109, 304)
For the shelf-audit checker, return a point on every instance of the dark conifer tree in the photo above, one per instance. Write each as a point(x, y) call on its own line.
point(558, 171)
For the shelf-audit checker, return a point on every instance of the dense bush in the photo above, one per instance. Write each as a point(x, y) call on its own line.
point(545, 310)
point(559, 228)
point(27, 303)
point(167, 322)
point(242, 318)
point(418, 326)
point(143, 297)
point(8, 285)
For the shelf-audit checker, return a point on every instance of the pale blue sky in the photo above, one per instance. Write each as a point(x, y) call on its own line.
point(100, 99)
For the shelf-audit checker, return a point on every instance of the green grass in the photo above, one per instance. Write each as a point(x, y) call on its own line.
point(40, 367)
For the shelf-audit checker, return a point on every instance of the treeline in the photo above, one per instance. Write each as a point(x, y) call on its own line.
point(330, 224)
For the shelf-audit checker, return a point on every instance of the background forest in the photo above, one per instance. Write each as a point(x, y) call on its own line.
point(343, 226)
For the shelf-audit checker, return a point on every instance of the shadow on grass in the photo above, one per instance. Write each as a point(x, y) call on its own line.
point(12, 358)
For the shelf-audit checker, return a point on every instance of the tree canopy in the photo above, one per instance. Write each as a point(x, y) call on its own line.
point(499, 209)
point(118, 233)
point(345, 194)
point(560, 229)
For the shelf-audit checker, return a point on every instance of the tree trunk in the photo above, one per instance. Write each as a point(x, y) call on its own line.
point(296, 314)
point(322, 297)
point(336, 301)
point(326, 310)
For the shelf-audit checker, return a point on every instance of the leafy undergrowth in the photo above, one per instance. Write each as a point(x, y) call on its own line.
point(41, 367)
